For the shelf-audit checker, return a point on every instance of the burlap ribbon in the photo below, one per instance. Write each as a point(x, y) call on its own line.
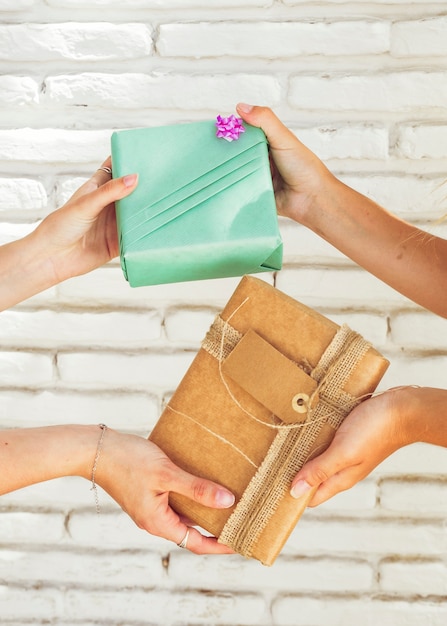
point(291, 446)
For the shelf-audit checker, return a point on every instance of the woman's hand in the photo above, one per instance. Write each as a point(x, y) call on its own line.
point(410, 260)
point(133, 470)
point(139, 477)
point(299, 177)
point(82, 235)
point(73, 240)
point(374, 429)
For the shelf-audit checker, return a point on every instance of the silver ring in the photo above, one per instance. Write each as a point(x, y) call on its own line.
point(105, 169)
point(184, 541)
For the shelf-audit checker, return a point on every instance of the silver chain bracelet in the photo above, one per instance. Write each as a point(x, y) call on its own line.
point(103, 428)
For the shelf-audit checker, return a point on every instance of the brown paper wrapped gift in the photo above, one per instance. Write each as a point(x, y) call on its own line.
point(270, 385)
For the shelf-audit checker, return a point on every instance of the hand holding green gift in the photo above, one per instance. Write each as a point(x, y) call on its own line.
point(204, 206)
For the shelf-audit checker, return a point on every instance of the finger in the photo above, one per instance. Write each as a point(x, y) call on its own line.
point(198, 489)
point(103, 174)
point(315, 472)
point(98, 178)
point(278, 135)
point(91, 204)
point(197, 543)
point(204, 492)
point(164, 522)
point(334, 485)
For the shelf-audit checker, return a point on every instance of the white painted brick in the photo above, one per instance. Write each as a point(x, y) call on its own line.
point(219, 607)
point(272, 39)
point(21, 369)
point(156, 4)
point(419, 38)
point(105, 286)
point(418, 459)
point(287, 575)
point(164, 607)
point(426, 497)
point(422, 141)
point(365, 537)
point(18, 91)
point(117, 569)
point(361, 497)
point(302, 611)
point(407, 196)
point(341, 287)
point(425, 371)
point(333, 141)
point(372, 327)
point(113, 530)
point(121, 371)
point(426, 578)
point(361, 2)
point(163, 90)
point(135, 412)
point(66, 187)
point(394, 91)
point(188, 327)
point(11, 232)
point(60, 494)
point(382, 129)
point(51, 328)
point(44, 298)
point(73, 41)
point(22, 194)
point(29, 604)
point(73, 623)
point(24, 528)
point(301, 245)
point(419, 330)
point(54, 145)
point(330, 2)
point(108, 286)
point(16, 5)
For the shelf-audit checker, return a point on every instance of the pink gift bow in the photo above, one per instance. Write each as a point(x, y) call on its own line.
point(229, 128)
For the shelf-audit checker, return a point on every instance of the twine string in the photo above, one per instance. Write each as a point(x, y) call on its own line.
point(293, 442)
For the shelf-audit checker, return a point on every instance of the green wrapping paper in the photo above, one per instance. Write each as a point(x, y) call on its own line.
point(204, 207)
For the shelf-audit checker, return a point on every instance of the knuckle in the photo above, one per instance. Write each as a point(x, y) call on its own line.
point(320, 475)
point(165, 474)
point(200, 490)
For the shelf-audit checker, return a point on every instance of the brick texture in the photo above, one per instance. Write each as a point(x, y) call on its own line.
point(363, 84)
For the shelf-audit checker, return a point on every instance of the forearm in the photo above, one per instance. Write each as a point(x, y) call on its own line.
point(422, 414)
point(407, 258)
point(25, 270)
point(33, 455)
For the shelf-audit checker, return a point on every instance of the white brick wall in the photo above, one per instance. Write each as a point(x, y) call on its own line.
point(364, 85)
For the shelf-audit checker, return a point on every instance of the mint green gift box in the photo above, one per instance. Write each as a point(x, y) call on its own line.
point(204, 207)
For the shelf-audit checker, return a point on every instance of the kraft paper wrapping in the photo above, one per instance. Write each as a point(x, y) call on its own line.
point(270, 385)
point(203, 208)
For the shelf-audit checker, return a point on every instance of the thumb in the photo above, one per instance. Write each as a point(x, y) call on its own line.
point(279, 136)
point(91, 204)
point(314, 473)
point(200, 490)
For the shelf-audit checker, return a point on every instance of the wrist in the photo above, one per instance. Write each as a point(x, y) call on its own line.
point(90, 443)
point(322, 201)
point(24, 270)
point(421, 414)
point(34, 455)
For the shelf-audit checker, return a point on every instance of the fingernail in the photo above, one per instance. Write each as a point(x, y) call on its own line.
point(130, 180)
point(224, 499)
point(245, 108)
point(300, 488)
